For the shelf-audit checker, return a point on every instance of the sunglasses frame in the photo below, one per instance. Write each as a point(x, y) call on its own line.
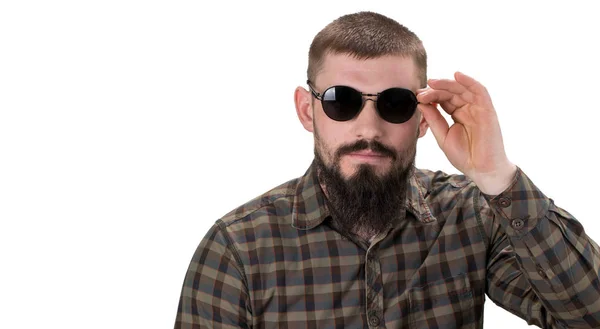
point(319, 96)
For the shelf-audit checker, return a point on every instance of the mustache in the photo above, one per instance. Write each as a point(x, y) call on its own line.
point(362, 144)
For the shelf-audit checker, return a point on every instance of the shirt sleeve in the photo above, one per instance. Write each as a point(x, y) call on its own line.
point(214, 293)
point(542, 266)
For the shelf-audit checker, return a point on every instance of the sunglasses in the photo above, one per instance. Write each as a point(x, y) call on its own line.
point(343, 103)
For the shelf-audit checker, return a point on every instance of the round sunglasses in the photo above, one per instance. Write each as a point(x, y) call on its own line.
point(343, 103)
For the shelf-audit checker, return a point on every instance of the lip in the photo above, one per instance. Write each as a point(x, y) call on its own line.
point(367, 156)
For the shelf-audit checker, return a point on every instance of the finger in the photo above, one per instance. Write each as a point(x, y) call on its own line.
point(422, 90)
point(447, 84)
point(437, 123)
point(448, 100)
point(448, 107)
point(470, 84)
point(434, 96)
point(452, 86)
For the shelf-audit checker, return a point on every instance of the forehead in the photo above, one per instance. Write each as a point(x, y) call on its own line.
point(368, 75)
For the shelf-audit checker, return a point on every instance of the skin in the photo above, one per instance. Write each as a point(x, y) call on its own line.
point(368, 76)
point(473, 143)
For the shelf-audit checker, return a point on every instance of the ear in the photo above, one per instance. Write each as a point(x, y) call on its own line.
point(422, 124)
point(303, 101)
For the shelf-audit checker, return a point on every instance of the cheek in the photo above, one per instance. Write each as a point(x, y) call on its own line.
point(327, 141)
point(404, 137)
point(330, 133)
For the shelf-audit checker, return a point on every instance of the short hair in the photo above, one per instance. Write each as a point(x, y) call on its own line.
point(366, 35)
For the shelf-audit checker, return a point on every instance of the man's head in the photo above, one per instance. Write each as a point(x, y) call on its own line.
point(366, 35)
point(363, 163)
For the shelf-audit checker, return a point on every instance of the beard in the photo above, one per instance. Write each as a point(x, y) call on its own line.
point(365, 204)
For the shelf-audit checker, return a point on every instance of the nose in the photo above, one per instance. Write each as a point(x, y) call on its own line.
point(368, 124)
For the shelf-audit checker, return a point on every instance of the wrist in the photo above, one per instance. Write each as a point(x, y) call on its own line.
point(496, 182)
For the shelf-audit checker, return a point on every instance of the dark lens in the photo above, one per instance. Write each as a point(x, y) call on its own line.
point(396, 105)
point(341, 103)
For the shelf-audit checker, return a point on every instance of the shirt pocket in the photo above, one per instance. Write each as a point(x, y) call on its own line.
point(446, 303)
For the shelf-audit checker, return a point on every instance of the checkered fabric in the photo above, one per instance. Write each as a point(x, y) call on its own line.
point(279, 262)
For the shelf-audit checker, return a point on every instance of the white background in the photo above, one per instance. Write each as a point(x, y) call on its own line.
point(128, 127)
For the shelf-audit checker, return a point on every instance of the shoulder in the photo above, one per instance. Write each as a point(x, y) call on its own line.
point(444, 192)
point(449, 193)
point(279, 197)
point(438, 180)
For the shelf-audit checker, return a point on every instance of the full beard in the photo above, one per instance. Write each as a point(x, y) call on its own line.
point(366, 204)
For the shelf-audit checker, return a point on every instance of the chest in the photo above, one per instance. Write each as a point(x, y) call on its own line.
point(417, 273)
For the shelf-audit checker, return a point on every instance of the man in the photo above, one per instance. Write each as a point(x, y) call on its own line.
point(365, 239)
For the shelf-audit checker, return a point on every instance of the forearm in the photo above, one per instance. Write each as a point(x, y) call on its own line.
point(555, 255)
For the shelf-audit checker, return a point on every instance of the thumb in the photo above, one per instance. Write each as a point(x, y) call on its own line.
point(435, 120)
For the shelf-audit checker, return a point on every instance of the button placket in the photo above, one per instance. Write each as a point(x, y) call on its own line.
point(374, 298)
point(517, 223)
point(504, 202)
point(374, 320)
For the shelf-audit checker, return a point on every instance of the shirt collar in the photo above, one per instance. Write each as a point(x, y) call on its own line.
point(310, 208)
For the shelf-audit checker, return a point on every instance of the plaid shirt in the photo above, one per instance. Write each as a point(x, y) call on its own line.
point(278, 262)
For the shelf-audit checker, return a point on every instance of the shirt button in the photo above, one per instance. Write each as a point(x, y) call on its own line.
point(517, 223)
point(504, 202)
point(374, 320)
point(541, 272)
